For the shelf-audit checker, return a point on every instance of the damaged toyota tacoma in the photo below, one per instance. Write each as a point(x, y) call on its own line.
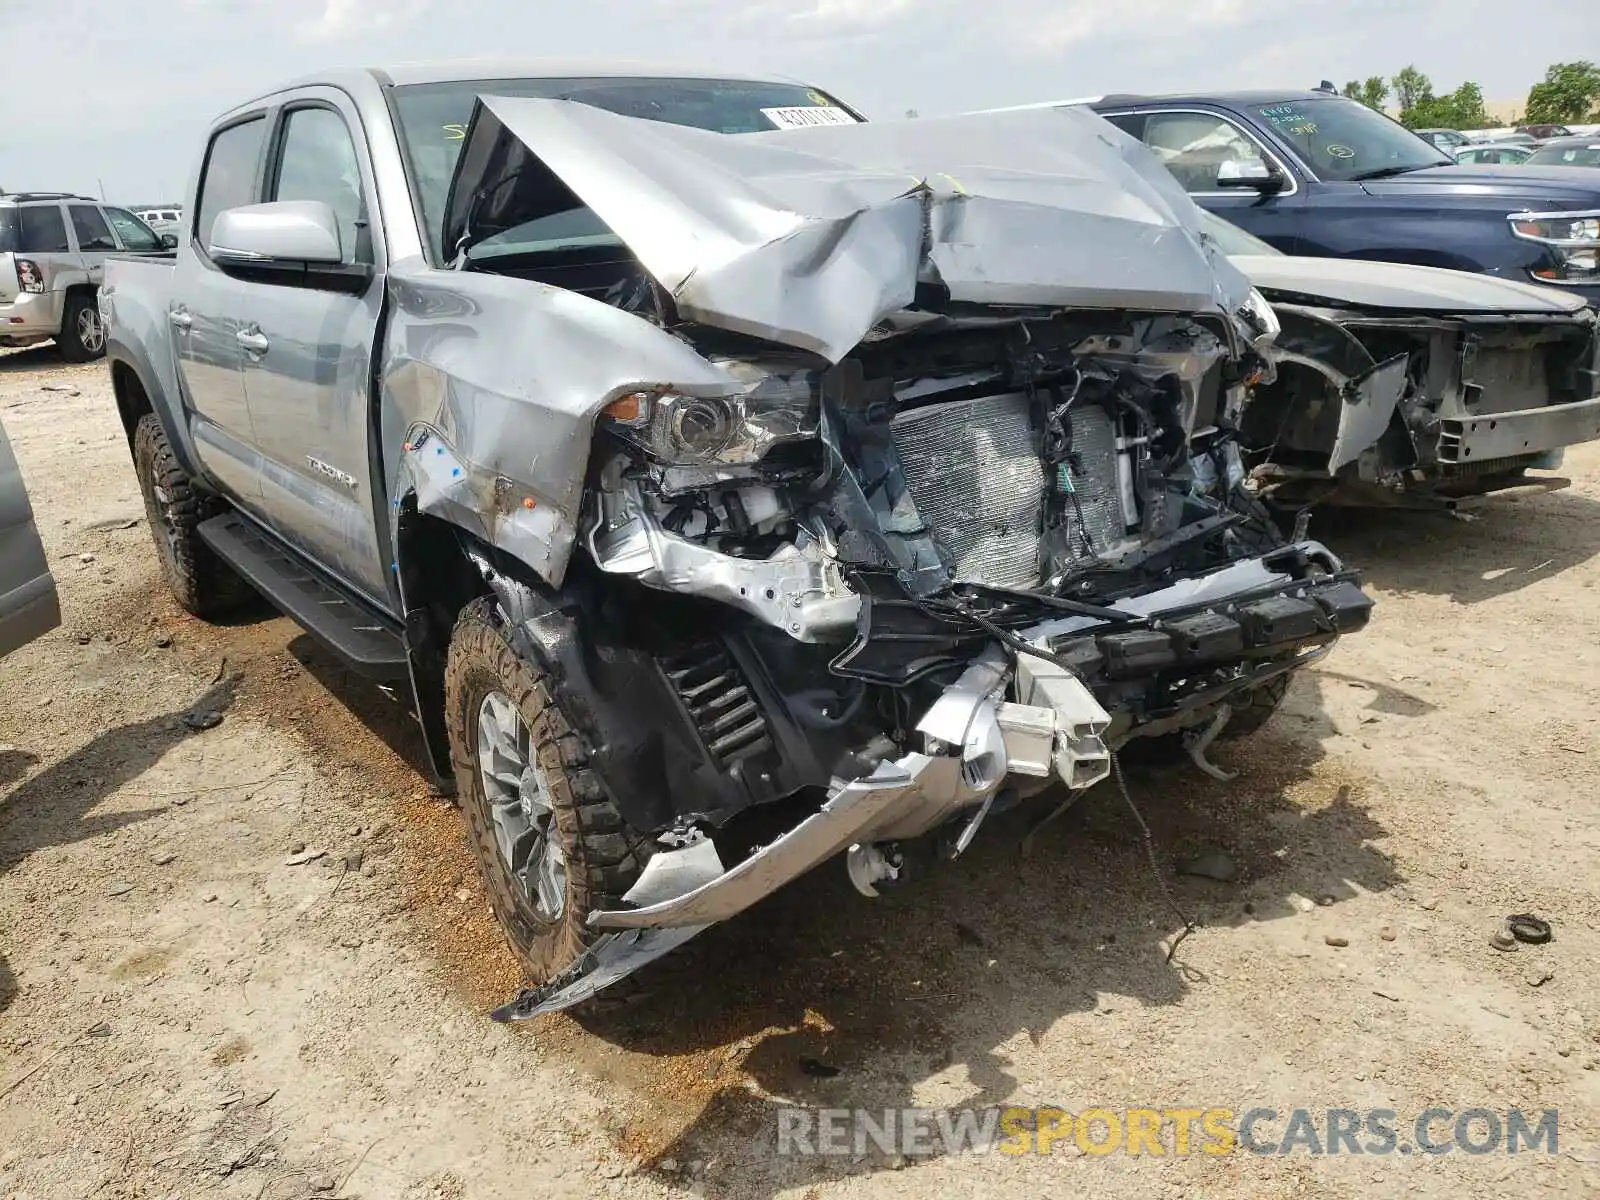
point(728, 503)
point(1411, 387)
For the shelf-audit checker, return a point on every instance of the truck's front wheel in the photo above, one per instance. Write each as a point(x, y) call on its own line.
point(548, 839)
point(204, 584)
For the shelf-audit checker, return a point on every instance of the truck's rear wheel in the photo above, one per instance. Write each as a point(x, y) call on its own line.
point(204, 584)
point(548, 839)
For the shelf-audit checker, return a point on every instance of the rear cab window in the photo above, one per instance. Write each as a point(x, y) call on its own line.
point(232, 166)
point(432, 122)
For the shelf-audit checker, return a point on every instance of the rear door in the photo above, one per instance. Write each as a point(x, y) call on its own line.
point(94, 237)
point(204, 315)
point(28, 604)
point(308, 351)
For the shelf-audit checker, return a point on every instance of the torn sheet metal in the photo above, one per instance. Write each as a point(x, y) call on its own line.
point(613, 956)
point(1369, 403)
point(508, 377)
point(798, 589)
point(810, 237)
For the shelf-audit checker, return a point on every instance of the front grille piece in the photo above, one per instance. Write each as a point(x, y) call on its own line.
point(720, 703)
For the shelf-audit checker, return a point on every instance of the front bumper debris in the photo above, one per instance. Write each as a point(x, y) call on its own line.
point(1002, 720)
point(1467, 440)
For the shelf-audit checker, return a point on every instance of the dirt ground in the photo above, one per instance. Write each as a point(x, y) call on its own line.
point(190, 1006)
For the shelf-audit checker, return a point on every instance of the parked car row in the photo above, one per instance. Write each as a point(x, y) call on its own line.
point(163, 220)
point(728, 503)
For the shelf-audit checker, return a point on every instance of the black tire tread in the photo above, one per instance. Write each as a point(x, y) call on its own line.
point(67, 341)
point(203, 584)
point(604, 856)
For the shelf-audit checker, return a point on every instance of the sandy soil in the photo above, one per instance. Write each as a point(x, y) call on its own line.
point(186, 1009)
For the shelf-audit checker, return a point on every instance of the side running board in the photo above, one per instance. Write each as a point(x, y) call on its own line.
point(372, 644)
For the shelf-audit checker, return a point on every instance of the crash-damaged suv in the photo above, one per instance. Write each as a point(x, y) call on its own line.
point(729, 502)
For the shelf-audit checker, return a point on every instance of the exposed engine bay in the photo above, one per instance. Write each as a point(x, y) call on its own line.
point(1375, 407)
point(967, 561)
point(946, 517)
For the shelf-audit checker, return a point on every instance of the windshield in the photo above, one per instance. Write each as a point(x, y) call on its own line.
point(433, 124)
point(1580, 155)
point(1341, 139)
point(1229, 238)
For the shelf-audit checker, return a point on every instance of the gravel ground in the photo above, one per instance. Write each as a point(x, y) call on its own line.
point(254, 961)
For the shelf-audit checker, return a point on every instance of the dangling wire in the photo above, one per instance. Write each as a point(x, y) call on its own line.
point(1150, 853)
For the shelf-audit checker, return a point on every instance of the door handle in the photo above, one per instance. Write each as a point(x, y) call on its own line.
point(253, 340)
point(180, 320)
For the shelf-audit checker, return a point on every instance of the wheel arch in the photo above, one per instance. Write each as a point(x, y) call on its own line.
point(133, 398)
point(437, 566)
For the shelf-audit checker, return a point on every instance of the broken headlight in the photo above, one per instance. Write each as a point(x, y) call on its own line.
point(1572, 240)
point(779, 404)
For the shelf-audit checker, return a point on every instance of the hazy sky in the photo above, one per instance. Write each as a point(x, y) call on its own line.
point(124, 91)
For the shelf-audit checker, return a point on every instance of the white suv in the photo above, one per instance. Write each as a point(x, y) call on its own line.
point(53, 247)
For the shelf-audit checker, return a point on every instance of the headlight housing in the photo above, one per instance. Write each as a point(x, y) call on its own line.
point(1572, 240)
point(780, 403)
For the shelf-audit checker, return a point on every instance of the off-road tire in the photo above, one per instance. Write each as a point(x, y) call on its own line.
point(203, 584)
point(70, 341)
point(603, 855)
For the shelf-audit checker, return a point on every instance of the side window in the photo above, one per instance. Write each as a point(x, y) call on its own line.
point(1129, 123)
point(317, 161)
point(42, 230)
point(91, 228)
point(135, 234)
point(229, 177)
point(1194, 145)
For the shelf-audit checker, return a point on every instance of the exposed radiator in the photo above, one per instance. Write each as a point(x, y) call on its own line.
point(974, 471)
point(1094, 441)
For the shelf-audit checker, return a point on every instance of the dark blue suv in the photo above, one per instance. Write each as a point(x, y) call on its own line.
point(1315, 173)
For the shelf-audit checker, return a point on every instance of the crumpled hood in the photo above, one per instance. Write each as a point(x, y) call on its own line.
point(810, 237)
point(1364, 284)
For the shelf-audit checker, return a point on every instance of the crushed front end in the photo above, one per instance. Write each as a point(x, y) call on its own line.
point(1387, 408)
point(968, 561)
point(939, 502)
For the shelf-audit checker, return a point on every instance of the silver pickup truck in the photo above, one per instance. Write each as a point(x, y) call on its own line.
point(728, 503)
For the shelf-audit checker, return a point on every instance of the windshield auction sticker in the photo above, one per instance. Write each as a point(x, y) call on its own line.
point(804, 116)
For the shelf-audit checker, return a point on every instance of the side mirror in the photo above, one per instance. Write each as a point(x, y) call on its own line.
point(292, 243)
point(169, 241)
point(1251, 173)
point(301, 232)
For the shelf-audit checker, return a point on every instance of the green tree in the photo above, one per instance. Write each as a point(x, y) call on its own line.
point(1421, 109)
point(1373, 93)
point(1411, 88)
point(1463, 108)
point(1568, 92)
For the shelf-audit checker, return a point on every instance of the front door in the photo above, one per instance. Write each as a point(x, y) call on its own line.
point(308, 355)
